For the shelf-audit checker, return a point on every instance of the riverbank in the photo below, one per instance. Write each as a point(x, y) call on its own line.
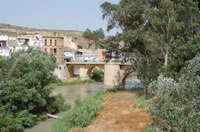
point(74, 82)
point(71, 94)
point(122, 111)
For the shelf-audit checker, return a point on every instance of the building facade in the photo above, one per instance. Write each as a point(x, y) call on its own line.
point(54, 45)
point(4, 50)
point(27, 41)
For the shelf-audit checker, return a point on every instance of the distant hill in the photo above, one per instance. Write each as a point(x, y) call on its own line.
point(8, 29)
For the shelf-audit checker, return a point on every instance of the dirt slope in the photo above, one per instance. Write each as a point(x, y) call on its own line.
point(119, 115)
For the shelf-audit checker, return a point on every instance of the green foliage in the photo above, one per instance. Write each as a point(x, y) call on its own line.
point(25, 89)
point(80, 47)
point(56, 104)
point(94, 37)
point(80, 116)
point(140, 102)
point(165, 30)
point(175, 106)
point(151, 129)
point(148, 70)
point(77, 101)
point(42, 117)
point(9, 124)
point(181, 52)
point(26, 118)
point(29, 74)
point(97, 75)
point(166, 109)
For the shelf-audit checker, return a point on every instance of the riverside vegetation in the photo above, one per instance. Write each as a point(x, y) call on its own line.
point(25, 90)
point(81, 115)
point(165, 37)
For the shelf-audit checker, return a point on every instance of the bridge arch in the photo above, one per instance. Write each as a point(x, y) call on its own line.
point(128, 71)
point(90, 72)
point(73, 70)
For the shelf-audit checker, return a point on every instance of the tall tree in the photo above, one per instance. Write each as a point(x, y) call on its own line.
point(153, 27)
point(94, 37)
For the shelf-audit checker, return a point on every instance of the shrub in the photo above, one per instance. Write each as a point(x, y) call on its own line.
point(26, 119)
point(166, 106)
point(81, 116)
point(25, 79)
point(97, 75)
point(9, 124)
point(56, 104)
point(175, 106)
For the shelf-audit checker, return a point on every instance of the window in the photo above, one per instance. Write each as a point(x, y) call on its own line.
point(55, 42)
point(45, 42)
point(50, 42)
point(55, 50)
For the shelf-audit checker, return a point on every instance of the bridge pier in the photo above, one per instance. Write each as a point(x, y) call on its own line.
point(112, 75)
point(83, 69)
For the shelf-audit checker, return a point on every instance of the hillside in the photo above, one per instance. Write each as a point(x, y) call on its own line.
point(8, 29)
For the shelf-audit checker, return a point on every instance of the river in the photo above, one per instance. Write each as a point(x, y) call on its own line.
point(71, 94)
point(74, 92)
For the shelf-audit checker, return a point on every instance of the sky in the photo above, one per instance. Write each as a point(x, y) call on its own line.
point(55, 14)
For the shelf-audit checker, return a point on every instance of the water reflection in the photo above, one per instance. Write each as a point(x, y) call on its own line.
point(81, 91)
point(133, 82)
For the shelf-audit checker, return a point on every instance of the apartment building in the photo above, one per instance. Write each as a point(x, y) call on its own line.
point(54, 45)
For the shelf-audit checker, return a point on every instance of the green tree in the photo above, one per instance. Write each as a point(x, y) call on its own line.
point(97, 74)
point(27, 83)
point(152, 28)
point(94, 37)
point(25, 89)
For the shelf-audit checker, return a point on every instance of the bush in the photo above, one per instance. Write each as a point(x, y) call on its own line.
point(56, 104)
point(26, 119)
point(97, 75)
point(25, 79)
point(81, 116)
point(9, 124)
point(175, 106)
point(166, 107)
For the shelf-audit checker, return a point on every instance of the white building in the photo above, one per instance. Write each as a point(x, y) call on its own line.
point(24, 42)
point(12, 43)
point(4, 50)
point(69, 54)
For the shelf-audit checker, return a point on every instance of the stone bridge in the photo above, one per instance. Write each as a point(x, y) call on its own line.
point(114, 73)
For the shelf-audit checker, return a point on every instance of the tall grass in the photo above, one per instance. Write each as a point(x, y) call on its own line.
point(81, 115)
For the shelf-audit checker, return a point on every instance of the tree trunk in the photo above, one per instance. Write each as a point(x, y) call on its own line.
point(166, 56)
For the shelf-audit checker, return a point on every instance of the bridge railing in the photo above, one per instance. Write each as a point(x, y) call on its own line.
point(116, 61)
